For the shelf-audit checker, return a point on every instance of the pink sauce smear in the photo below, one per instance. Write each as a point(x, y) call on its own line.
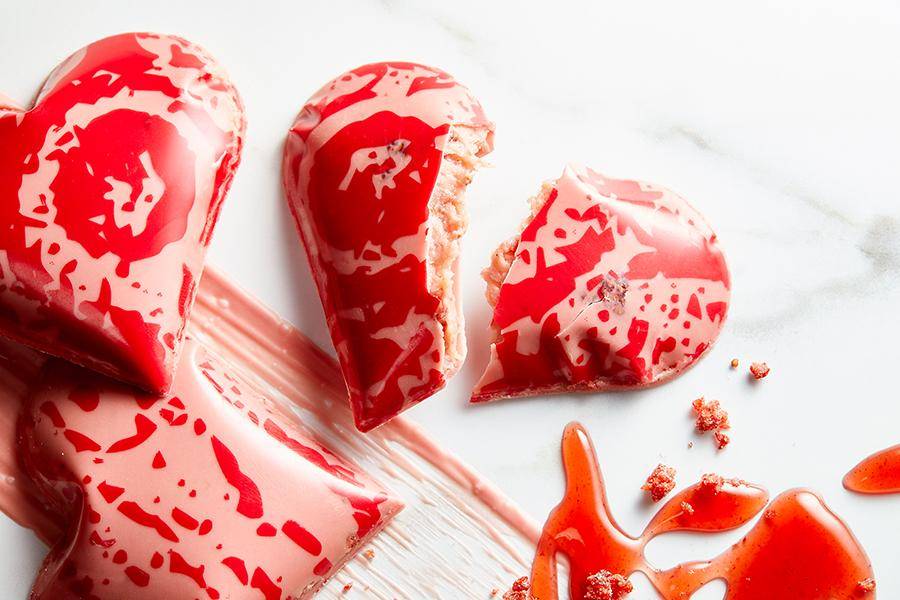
point(273, 357)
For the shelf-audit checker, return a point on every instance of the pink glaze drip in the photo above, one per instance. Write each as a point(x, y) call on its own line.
point(613, 284)
point(110, 186)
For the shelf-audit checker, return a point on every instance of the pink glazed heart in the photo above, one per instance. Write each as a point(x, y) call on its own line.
point(612, 284)
point(109, 190)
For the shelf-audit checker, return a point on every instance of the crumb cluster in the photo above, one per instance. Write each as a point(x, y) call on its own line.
point(866, 586)
point(604, 585)
point(519, 590)
point(712, 483)
point(759, 370)
point(660, 482)
point(712, 417)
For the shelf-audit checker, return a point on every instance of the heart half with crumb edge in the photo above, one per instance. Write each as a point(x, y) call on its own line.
point(110, 187)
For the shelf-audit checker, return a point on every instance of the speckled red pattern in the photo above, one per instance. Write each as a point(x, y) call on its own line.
point(211, 492)
point(360, 165)
point(109, 189)
point(615, 284)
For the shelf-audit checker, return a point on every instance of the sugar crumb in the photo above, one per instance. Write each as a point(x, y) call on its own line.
point(604, 585)
point(660, 482)
point(759, 370)
point(519, 590)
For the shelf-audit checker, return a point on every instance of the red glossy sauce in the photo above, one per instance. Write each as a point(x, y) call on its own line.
point(877, 474)
point(798, 549)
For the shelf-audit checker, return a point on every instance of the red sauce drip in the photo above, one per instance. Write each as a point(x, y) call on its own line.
point(877, 474)
point(798, 549)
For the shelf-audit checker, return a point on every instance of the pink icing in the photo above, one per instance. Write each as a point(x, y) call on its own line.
point(614, 284)
point(360, 166)
point(213, 491)
point(109, 190)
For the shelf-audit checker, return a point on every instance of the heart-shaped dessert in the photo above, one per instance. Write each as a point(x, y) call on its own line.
point(612, 284)
point(214, 491)
point(375, 169)
point(109, 190)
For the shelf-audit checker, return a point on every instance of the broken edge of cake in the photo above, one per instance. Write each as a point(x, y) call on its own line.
point(610, 284)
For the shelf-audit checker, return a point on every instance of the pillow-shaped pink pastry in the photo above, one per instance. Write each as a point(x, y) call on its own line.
point(109, 189)
point(375, 168)
point(611, 284)
point(211, 492)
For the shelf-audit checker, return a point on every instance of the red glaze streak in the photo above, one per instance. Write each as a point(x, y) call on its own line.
point(798, 549)
point(877, 474)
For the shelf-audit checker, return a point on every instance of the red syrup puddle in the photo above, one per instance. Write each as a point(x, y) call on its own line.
point(877, 474)
point(799, 549)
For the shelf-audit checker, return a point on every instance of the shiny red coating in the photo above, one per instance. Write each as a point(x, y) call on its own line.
point(797, 549)
point(613, 284)
point(361, 163)
point(214, 491)
point(110, 186)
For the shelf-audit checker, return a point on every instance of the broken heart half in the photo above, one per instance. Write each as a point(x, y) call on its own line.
point(611, 284)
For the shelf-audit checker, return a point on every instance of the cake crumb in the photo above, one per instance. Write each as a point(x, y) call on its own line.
point(712, 483)
point(722, 439)
point(604, 585)
point(369, 554)
point(687, 508)
point(660, 482)
point(347, 587)
point(735, 363)
point(866, 585)
point(759, 370)
point(519, 590)
point(494, 592)
point(710, 415)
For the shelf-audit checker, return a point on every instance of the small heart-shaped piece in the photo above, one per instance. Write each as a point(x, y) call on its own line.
point(110, 186)
point(375, 169)
point(214, 491)
point(612, 284)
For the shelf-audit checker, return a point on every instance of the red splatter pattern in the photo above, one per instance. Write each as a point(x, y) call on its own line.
point(606, 289)
point(798, 548)
point(232, 511)
point(109, 190)
point(361, 163)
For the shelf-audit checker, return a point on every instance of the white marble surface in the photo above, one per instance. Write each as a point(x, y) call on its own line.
point(778, 120)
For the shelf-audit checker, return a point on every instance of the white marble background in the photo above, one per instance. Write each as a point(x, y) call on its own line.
point(777, 119)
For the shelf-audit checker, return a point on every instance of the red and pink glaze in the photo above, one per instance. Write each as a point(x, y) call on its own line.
point(613, 284)
point(109, 190)
point(211, 492)
point(361, 164)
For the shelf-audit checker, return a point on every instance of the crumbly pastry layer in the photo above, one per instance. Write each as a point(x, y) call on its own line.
point(611, 284)
point(375, 167)
point(110, 186)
